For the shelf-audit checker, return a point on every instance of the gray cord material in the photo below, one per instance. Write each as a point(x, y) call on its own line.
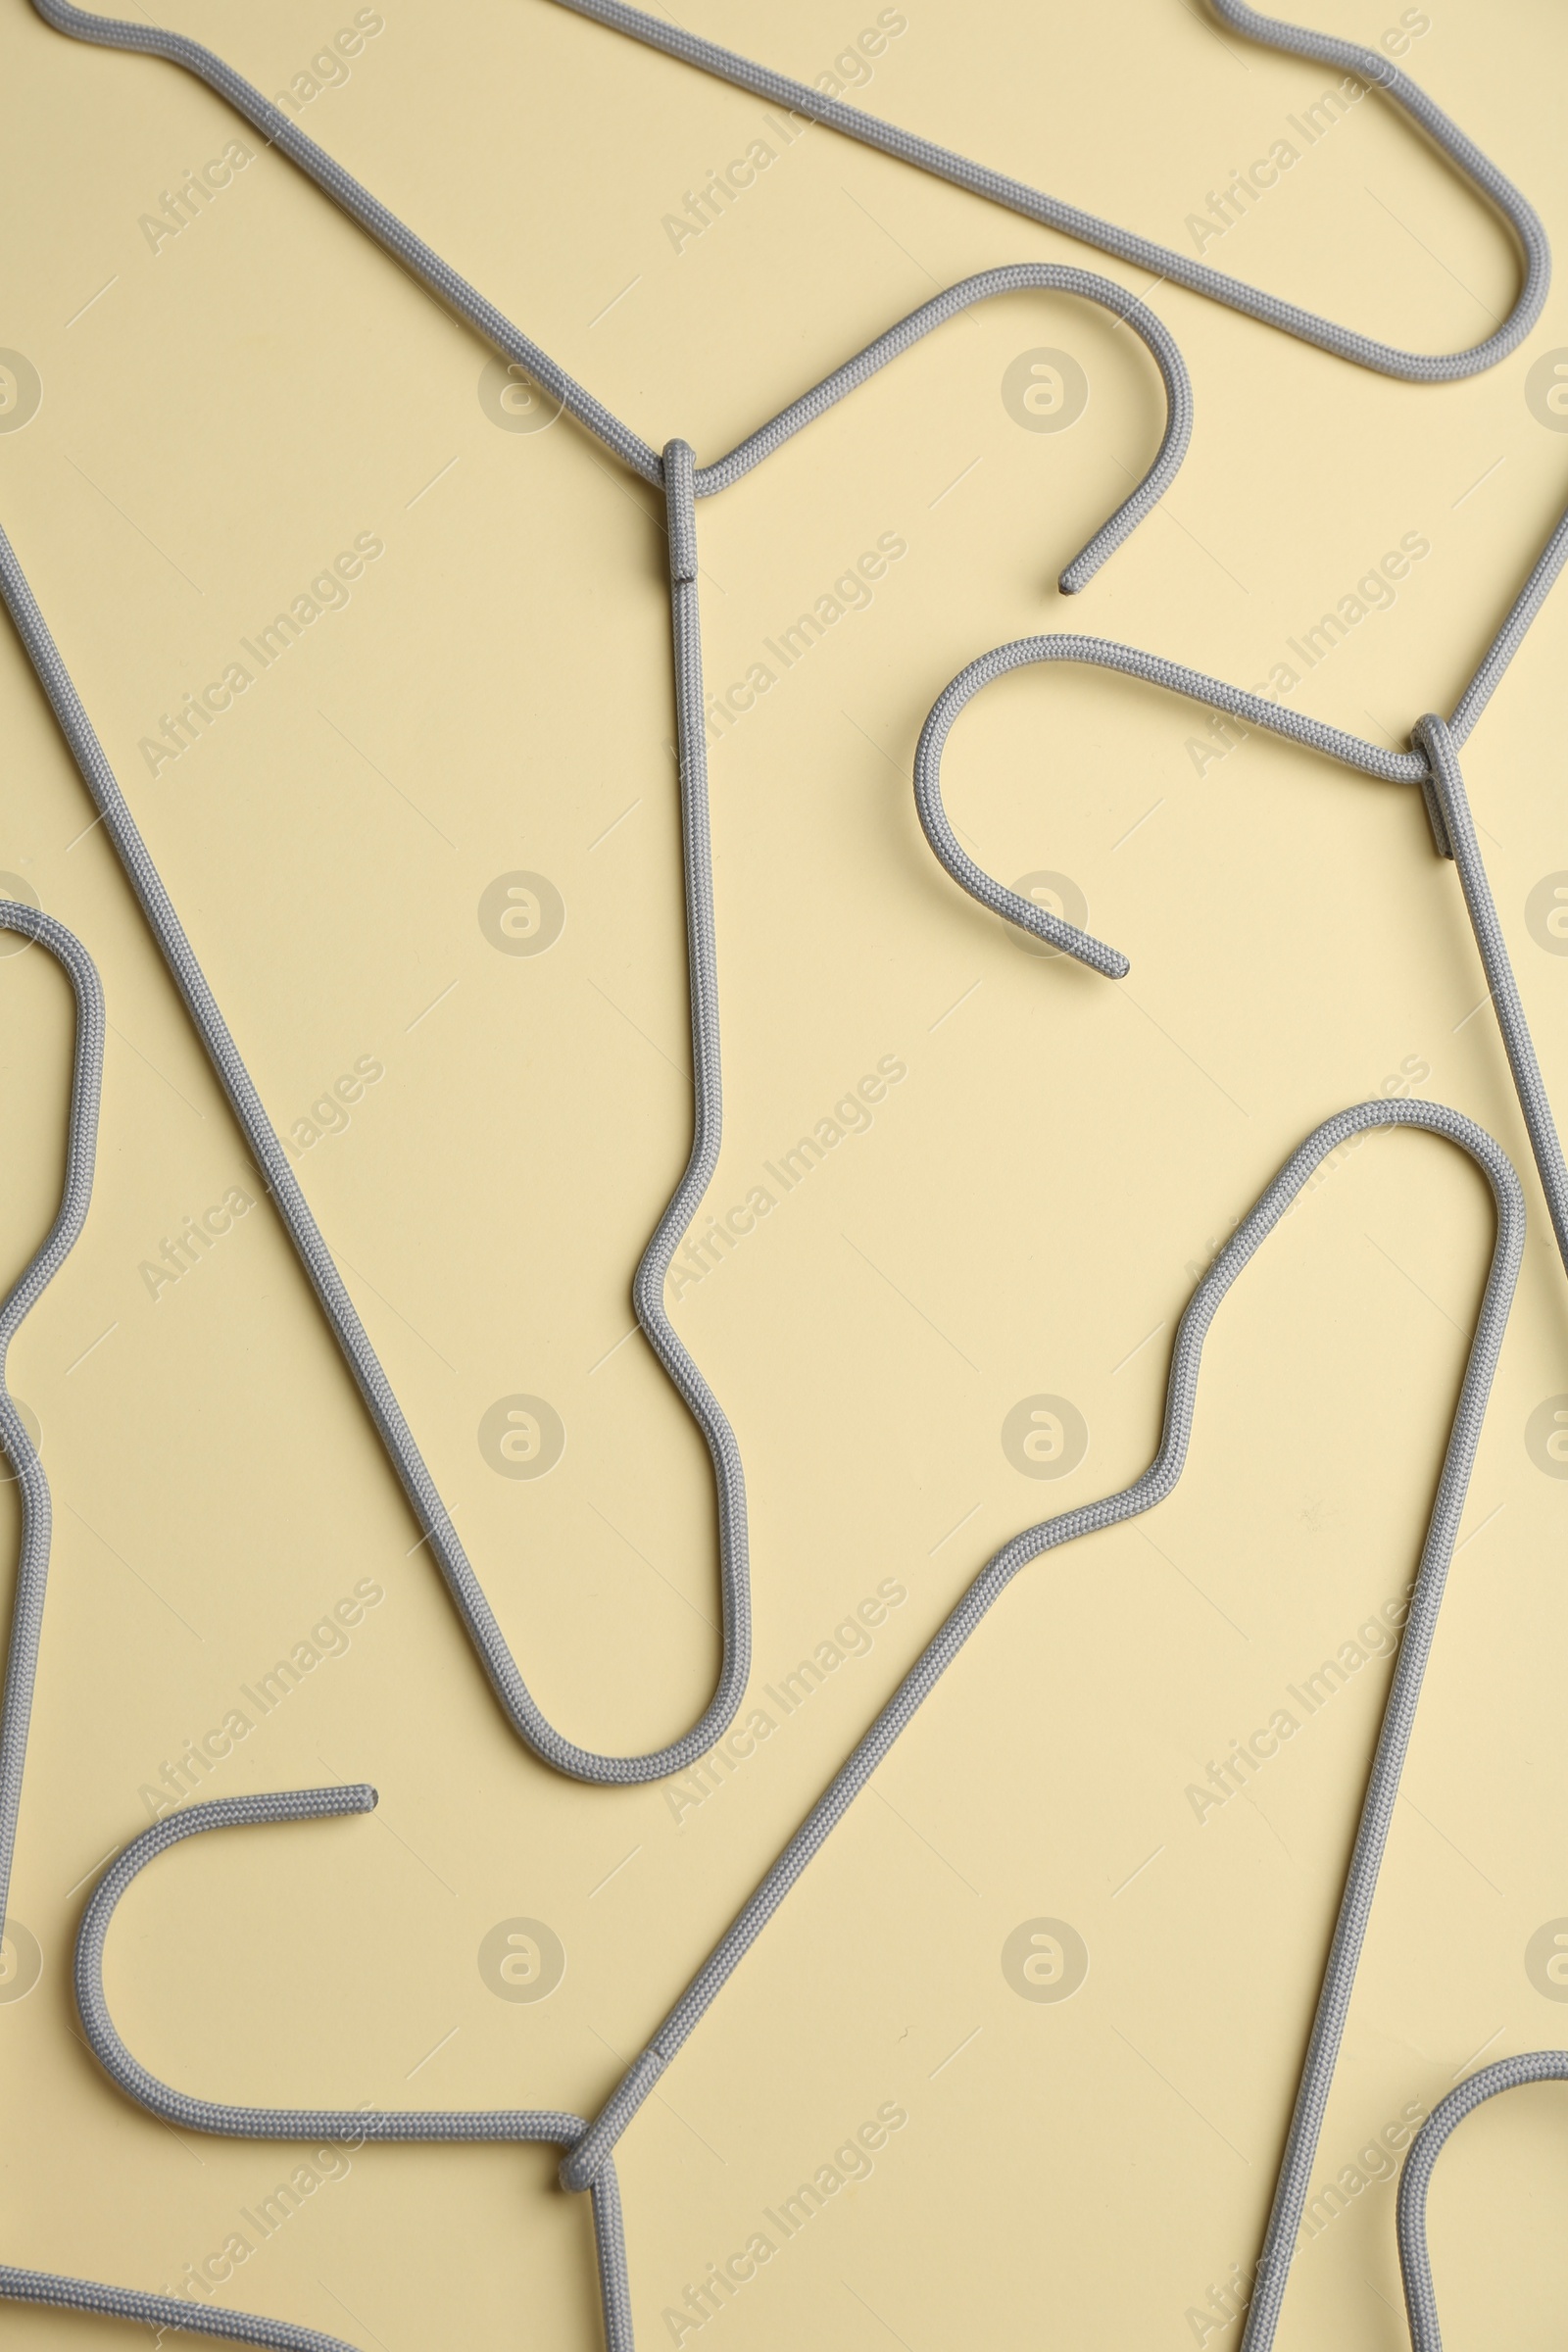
point(499, 332)
point(977, 179)
point(1017, 278)
point(677, 472)
point(1534, 1102)
point(708, 1078)
point(1511, 636)
point(547, 2125)
point(581, 2166)
point(166, 2313)
point(477, 1617)
point(1415, 767)
point(26, 1618)
point(1294, 2180)
point(37, 1518)
point(588, 2162)
point(1415, 2261)
point(1432, 764)
point(416, 255)
point(1175, 678)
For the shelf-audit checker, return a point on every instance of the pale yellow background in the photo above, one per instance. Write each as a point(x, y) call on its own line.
point(214, 428)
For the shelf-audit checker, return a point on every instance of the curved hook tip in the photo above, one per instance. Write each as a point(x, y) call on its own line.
point(1086, 948)
point(1063, 937)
